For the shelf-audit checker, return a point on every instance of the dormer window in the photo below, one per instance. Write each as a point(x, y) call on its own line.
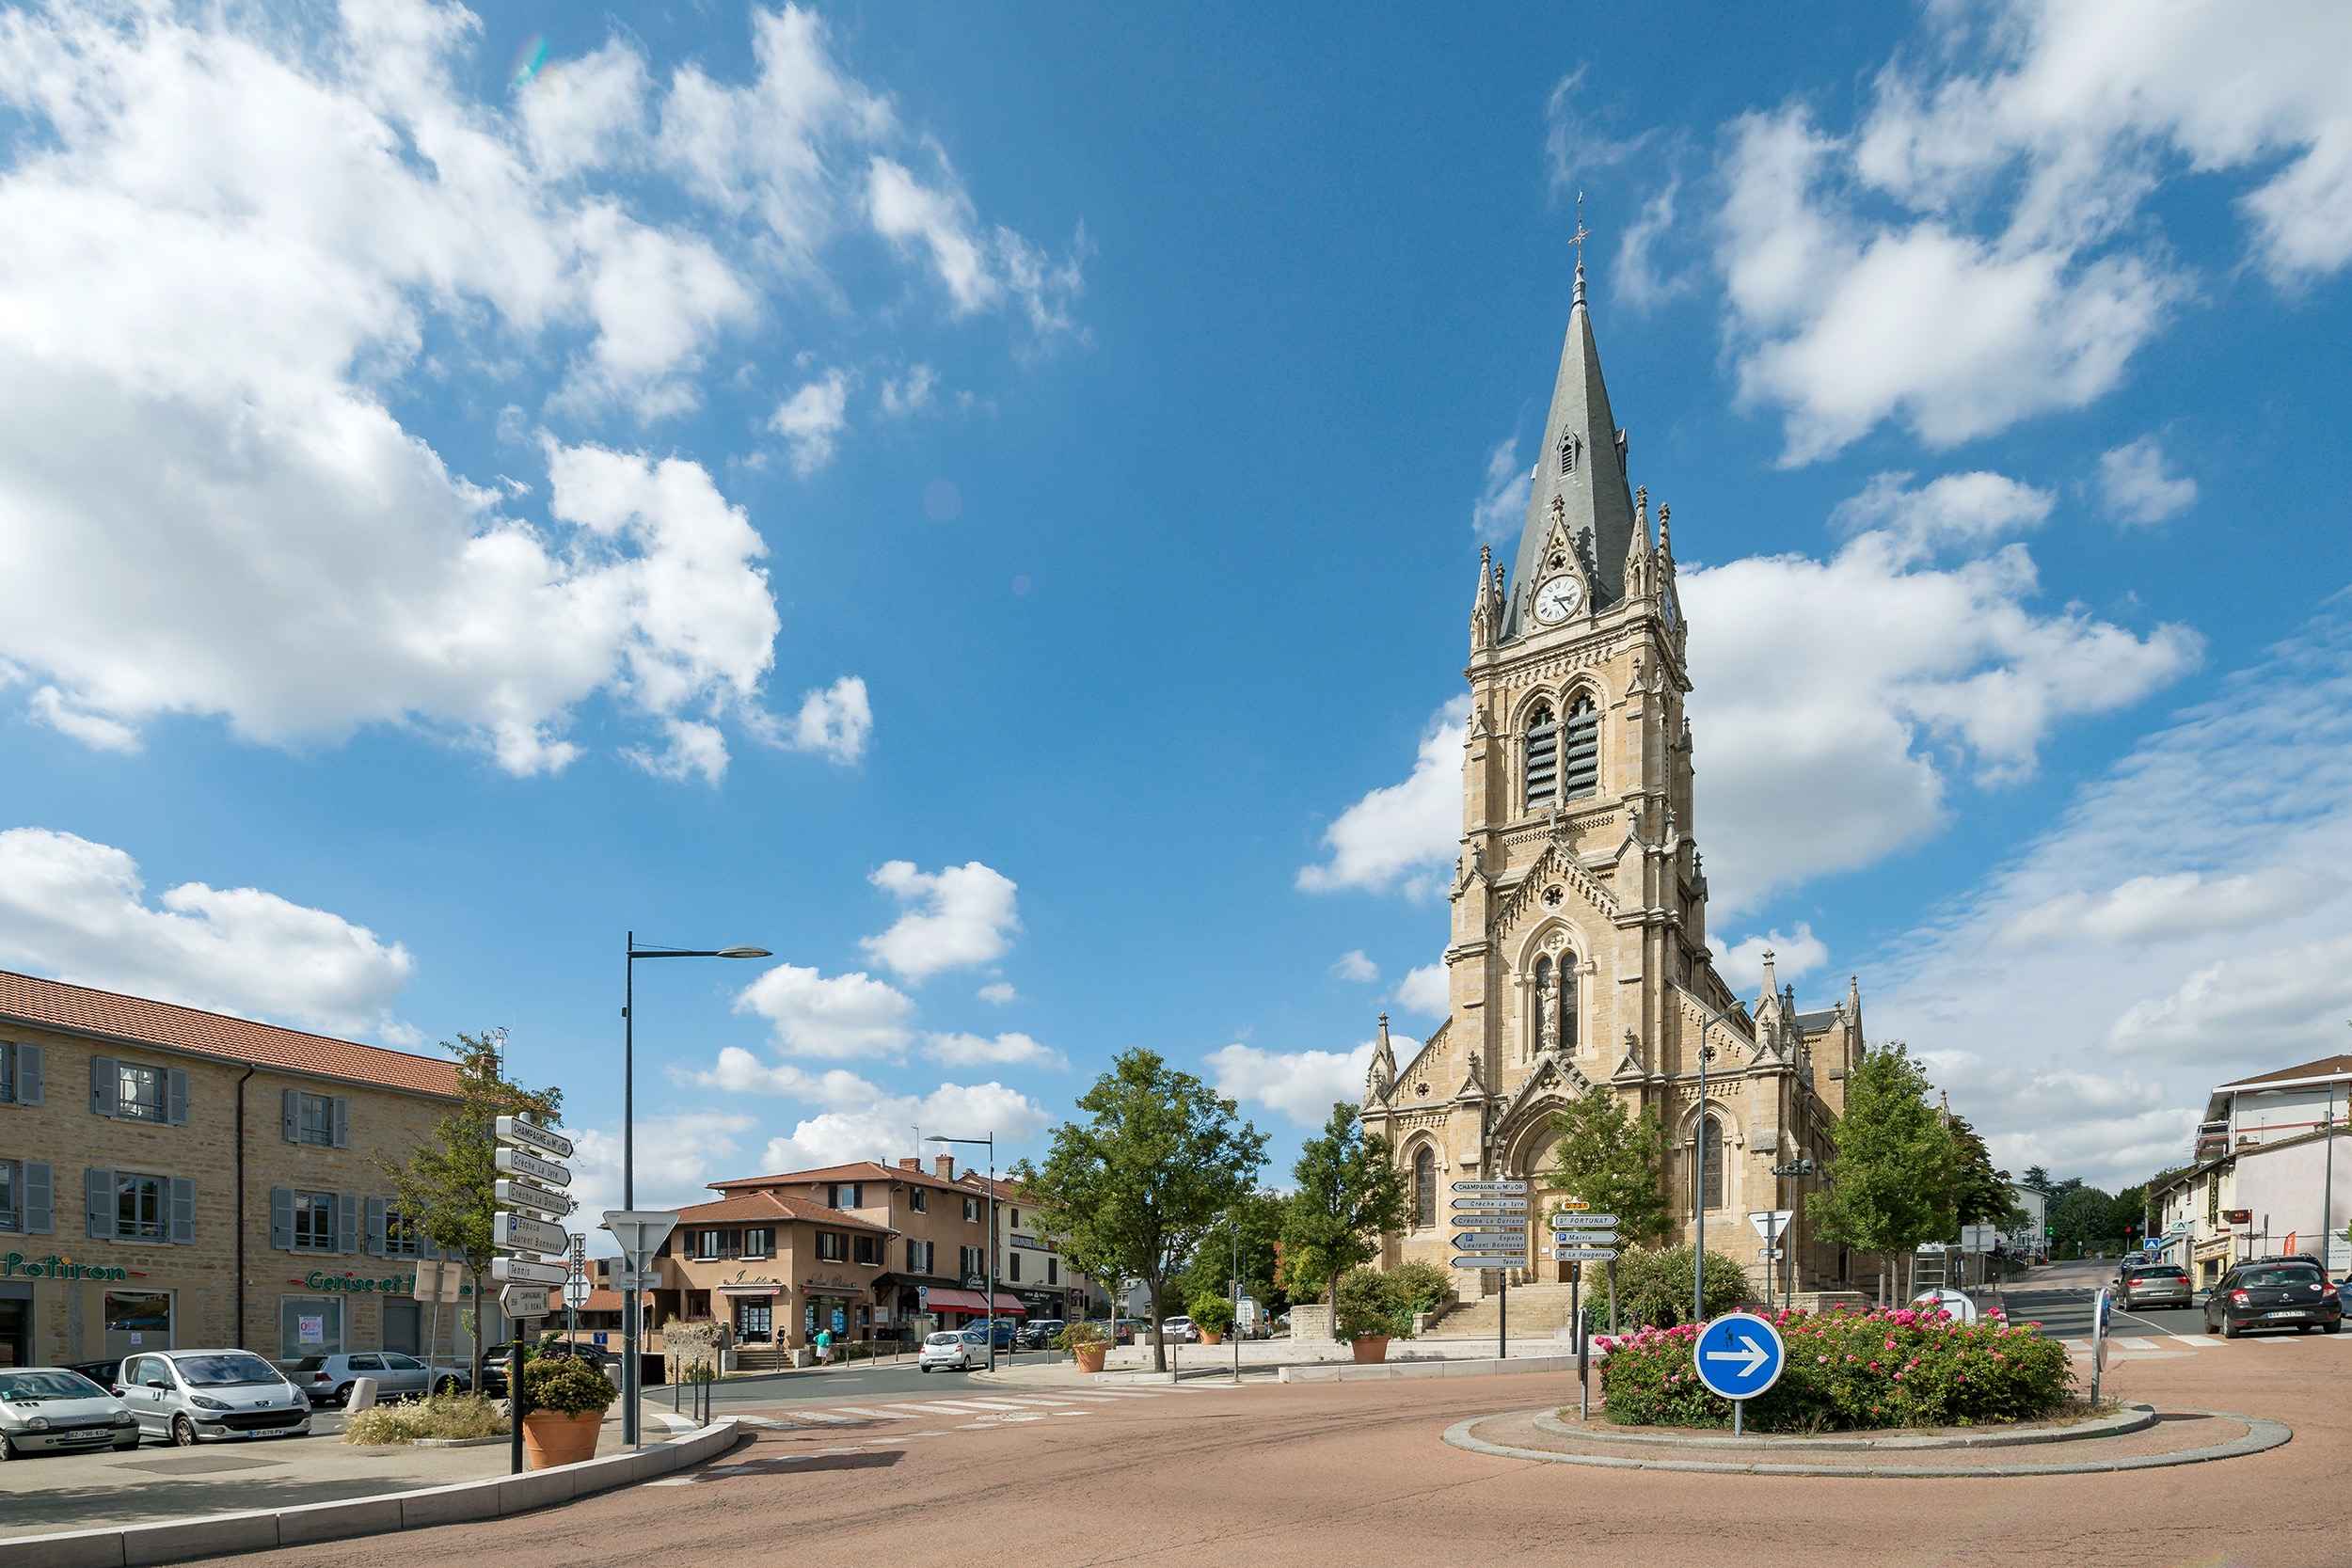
point(1567, 452)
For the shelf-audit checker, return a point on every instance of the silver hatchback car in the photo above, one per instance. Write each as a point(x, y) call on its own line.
point(192, 1396)
point(51, 1410)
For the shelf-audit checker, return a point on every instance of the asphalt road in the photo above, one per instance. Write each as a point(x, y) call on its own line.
point(853, 1382)
point(1269, 1476)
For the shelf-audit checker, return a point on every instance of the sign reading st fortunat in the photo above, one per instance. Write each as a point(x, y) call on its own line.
point(1582, 1222)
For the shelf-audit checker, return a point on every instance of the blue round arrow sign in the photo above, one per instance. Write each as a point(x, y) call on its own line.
point(1739, 1356)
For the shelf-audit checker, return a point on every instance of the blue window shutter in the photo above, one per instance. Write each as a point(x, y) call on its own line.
point(38, 1214)
point(375, 1225)
point(28, 1075)
point(105, 1083)
point(176, 1096)
point(281, 1218)
point(342, 1122)
point(289, 1114)
point(183, 1211)
point(346, 1222)
point(98, 1190)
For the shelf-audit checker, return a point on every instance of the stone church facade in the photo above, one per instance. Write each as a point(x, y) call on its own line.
point(1578, 951)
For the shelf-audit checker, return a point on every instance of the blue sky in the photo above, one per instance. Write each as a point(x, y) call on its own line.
point(984, 503)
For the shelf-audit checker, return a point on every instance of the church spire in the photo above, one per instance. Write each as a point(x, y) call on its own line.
point(1581, 464)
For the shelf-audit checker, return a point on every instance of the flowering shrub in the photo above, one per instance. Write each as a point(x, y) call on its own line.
point(1850, 1369)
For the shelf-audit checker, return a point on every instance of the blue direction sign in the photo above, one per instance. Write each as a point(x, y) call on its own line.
point(1739, 1356)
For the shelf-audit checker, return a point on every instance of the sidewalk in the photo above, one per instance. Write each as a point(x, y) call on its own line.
point(1264, 1360)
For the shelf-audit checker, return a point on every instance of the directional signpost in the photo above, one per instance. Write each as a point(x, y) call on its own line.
point(529, 1193)
point(1739, 1356)
point(1489, 1221)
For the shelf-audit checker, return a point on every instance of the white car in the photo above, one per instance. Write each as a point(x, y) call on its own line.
point(1179, 1331)
point(50, 1410)
point(191, 1396)
point(956, 1349)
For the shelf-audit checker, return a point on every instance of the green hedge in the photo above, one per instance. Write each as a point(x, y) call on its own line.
point(1368, 1305)
point(1422, 1287)
point(1851, 1370)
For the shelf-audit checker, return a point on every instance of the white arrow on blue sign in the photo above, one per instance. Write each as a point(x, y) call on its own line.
point(1739, 1356)
point(1474, 1240)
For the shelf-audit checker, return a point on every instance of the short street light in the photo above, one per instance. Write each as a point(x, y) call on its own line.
point(631, 1306)
point(990, 1143)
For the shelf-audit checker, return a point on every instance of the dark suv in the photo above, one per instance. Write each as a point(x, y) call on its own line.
point(2274, 1292)
point(2153, 1285)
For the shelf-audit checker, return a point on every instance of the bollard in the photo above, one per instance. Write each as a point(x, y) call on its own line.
point(362, 1395)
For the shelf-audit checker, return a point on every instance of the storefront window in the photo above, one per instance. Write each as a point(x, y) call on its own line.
point(310, 1326)
point(137, 1320)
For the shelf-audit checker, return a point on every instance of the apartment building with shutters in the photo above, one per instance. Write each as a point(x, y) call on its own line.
point(173, 1178)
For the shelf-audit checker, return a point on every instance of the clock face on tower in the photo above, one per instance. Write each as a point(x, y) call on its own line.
point(1557, 599)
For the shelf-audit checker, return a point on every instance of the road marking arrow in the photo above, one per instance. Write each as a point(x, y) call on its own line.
point(1749, 1353)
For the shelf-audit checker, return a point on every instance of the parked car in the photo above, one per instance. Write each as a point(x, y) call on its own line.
point(328, 1379)
point(1126, 1331)
point(1179, 1331)
point(1039, 1333)
point(192, 1396)
point(104, 1373)
point(2154, 1285)
point(494, 1361)
point(2274, 1292)
point(1008, 1333)
point(955, 1350)
point(57, 1410)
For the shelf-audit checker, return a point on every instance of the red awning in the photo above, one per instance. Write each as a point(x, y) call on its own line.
point(974, 1301)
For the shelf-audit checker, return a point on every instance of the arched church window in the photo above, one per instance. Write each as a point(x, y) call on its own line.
point(1567, 1004)
point(1581, 768)
point(1707, 1155)
point(1567, 452)
point(1425, 1187)
point(1544, 1007)
point(1543, 755)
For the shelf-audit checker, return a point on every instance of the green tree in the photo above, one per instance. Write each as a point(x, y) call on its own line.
point(1891, 1176)
point(2083, 1219)
point(1131, 1190)
point(1611, 1160)
point(2036, 1177)
point(448, 1190)
point(1260, 1216)
point(1349, 1191)
point(1979, 1193)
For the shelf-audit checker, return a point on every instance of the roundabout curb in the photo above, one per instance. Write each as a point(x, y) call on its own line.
point(2262, 1434)
point(2131, 1419)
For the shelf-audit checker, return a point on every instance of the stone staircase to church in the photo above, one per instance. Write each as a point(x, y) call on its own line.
point(1537, 1311)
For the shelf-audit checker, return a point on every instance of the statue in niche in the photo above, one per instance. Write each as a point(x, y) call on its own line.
point(1547, 1006)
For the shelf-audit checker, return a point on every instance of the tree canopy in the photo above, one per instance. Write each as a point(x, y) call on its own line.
point(1891, 1178)
point(1979, 1193)
point(1259, 1215)
point(1611, 1160)
point(1349, 1191)
point(1158, 1159)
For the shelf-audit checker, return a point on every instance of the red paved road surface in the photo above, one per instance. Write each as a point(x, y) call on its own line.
point(1356, 1474)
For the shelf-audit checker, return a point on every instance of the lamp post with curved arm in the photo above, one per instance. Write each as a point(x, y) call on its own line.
point(1698, 1165)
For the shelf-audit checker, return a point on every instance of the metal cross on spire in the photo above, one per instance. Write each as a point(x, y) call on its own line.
point(1577, 239)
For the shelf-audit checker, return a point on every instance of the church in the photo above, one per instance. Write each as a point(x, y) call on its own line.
point(1579, 952)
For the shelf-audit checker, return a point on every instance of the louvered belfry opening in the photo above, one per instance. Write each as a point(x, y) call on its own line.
point(1583, 763)
point(1543, 756)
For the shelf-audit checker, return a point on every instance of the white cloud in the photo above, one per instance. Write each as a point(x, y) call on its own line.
point(811, 421)
point(2136, 488)
point(79, 911)
point(1968, 511)
point(2176, 927)
point(738, 1071)
point(1794, 955)
point(963, 915)
point(1640, 279)
point(840, 1016)
point(998, 992)
point(884, 1129)
point(1010, 1050)
point(1301, 1085)
point(99, 733)
point(676, 1157)
point(1424, 990)
point(1401, 833)
point(588, 113)
point(1576, 146)
point(910, 393)
point(695, 750)
point(1353, 966)
point(835, 722)
point(978, 269)
point(1500, 509)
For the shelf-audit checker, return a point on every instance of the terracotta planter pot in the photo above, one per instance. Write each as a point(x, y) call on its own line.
point(1210, 1336)
point(1371, 1348)
point(1090, 1357)
point(550, 1438)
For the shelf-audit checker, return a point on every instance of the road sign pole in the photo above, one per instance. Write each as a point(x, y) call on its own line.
point(1576, 1316)
point(1502, 1321)
point(1613, 1298)
point(515, 1405)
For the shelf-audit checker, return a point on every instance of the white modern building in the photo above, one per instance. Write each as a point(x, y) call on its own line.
point(2031, 1239)
point(2273, 1173)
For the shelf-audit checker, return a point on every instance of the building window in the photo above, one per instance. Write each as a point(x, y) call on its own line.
point(1567, 452)
point(1053, 1271)
point(1543, 756)
point(843, 1195)
point(138, 1317)
point(11, 1193)
point(919, 1256)
point(310, 1326)
point(759, 1241)
point(402, 1237)
point(868, 1249)
point(1012, 1266)
point(315, 1119)
point(139, 1092)
point(1425, 1187)
point(1013, 1223)
point(20, 1073)
point(1707, 1162)
point(704, 1245)
point(917, 1200)
point(314, 1222)
point(833, 1248)
point(1580, 767)
point(971, 1210)
point(970, 1261)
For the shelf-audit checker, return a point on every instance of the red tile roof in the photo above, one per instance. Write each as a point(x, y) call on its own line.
point(2327, 1067)
point(612, 1301)
point(138, 1021)
point(769, 1206)
point(856, 1170)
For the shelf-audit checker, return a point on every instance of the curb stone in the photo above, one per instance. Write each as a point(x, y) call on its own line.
point(2262, 1434)
point(2131, 1419)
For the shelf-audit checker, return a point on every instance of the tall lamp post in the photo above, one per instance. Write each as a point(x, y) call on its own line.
point(990, 1142)
point(633, 1299)
point(1699, 1166)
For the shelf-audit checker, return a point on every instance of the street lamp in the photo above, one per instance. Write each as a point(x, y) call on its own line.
point(1699, 1166)
point(991, 1143)
point(631, 1303)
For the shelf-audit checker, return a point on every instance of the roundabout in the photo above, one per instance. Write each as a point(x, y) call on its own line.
point(2128, 1438)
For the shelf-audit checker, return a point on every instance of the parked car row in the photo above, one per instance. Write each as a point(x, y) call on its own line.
point(183, 1397)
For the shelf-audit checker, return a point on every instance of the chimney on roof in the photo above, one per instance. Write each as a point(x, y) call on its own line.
point(912, 1162)
point(945, 1166)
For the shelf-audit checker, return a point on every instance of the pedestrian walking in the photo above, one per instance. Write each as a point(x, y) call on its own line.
point(824, 1346)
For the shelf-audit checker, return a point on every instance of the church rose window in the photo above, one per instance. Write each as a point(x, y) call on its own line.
point(1582, 767)
point(1543, 755)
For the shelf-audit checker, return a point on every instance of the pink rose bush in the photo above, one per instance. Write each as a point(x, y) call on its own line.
point(1850, 1369)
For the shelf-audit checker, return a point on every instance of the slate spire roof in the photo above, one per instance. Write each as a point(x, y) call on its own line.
point(1581, 436)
